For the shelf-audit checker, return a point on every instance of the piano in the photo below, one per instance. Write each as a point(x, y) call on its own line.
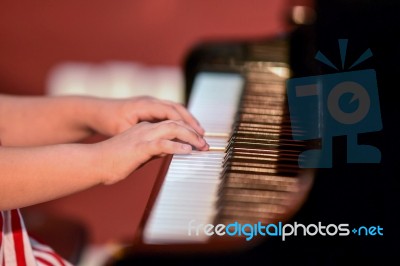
point(252, 173)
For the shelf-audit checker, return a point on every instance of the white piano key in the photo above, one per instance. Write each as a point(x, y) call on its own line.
point(190, 188)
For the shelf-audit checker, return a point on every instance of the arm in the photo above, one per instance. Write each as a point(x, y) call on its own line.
point(31, 175)
point(37, 174)
point(32, 121)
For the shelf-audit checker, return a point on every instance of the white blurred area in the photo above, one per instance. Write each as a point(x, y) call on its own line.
point(116, 79)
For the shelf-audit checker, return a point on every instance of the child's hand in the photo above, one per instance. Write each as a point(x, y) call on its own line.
point(127, 151)
point(135, 141)
point(39, 122)
point(111, 117)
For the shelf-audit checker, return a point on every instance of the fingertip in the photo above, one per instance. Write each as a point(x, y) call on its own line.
point(202, 141)
point(186, 148)
point(205, 147)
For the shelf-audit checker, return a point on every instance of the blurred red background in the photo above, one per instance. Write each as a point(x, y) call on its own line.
point(37, 35)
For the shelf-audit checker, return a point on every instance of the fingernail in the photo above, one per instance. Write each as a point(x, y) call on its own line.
point(205, 146)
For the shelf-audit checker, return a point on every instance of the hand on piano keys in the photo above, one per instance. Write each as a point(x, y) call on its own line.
point(249, 174)
point(135, 146)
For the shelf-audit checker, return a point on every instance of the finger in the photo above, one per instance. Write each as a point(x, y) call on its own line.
point(200, 136)
point(174, 111)
point(159, 111)
point(162, 147)
point(154, 109)
point(188, 117)
point(179, 130)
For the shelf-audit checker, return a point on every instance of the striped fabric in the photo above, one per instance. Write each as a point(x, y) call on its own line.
point(18, 249)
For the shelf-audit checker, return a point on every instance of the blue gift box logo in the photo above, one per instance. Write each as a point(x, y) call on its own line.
point(344, 103)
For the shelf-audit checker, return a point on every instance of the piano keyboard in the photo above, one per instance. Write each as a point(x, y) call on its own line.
point(191, 185)
point(250, 172)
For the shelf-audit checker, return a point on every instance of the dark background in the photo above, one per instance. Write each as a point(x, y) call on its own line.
point(358, 194)
point(361, 194)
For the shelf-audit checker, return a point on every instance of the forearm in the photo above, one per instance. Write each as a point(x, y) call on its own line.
point(38, 174)
point(31, 175)
point(26, 121)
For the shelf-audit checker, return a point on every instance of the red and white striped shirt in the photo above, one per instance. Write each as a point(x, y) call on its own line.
point(18, 249)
